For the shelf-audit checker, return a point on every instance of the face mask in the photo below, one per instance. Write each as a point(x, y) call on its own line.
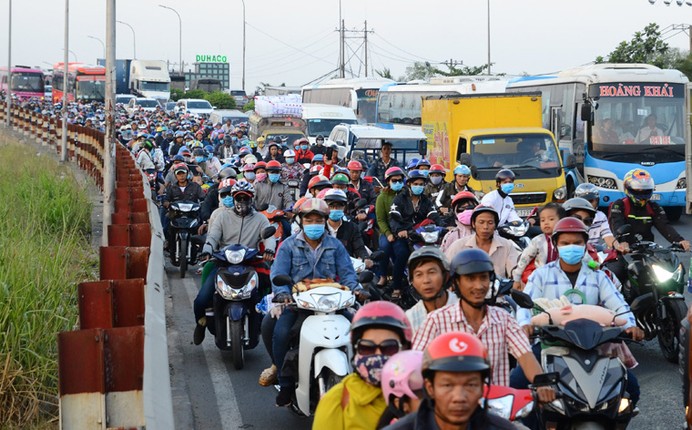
point(425, 173)
point(261, 177)
point(397, 186)
point(507, 187)
point(313, 231)
point(274, 177)
point(227, 201)
point(369, 367)
point(290, 160)
point(336, 214)
point(571, 254)
point(417, 190)
point(465, 217)
point(303, 147)
point(199, 159)
point(250, 176)
point(436, 180)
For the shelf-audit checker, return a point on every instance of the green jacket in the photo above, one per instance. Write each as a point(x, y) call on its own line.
point(382, 206)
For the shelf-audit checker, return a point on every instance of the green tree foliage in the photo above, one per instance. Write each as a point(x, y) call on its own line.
point(425, 71)
point(645, 47)
point(385, 73)
point(195, 94)
point(221, 100)
point(176, 94)
point(420, 70)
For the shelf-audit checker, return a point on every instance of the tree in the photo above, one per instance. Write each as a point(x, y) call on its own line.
point(420, 70)
point(221, 100)
point(462, 71)
point(645, 47)
point(385, 73)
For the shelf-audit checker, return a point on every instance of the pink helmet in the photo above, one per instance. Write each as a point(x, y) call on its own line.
point(402, 375)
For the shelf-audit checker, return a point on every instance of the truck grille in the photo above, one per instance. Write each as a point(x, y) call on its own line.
point(528, 198)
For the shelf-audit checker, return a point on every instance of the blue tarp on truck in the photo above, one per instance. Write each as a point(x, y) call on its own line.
point(122, 75)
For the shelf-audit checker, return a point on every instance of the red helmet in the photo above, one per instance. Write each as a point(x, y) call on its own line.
point(226, 185)
point(393, 171)
point(319, 181)
point(464, 195)
point(381, 314)
point(301, 141)
point(260, 165)
point(355, 165)
point(455, 352)
point(570, 225)
point(437, 168)
point(273, 165)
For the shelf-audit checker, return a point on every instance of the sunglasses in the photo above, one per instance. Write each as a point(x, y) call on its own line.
point(388, 347)
point(224, 195)
point(396, 181)
point(587, 221)
point(242, 199)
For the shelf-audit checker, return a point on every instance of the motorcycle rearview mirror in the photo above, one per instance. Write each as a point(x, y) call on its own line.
point(522, 299)
point(623, 231)
point(282, 280)
point(423, 147)
point(365, 277)
point(268, 232)
point(546, 379)
point(360, 203)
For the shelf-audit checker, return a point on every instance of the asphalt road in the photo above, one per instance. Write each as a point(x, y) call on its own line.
point(208, 392)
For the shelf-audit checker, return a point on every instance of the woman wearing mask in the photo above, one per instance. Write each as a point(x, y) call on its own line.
point(394, 180)
point(462, 174)
point(303, 153)
point(462, 208)
point(378, 331)
point(436, 181)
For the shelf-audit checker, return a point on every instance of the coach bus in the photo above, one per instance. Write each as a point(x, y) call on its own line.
point(359, 94)
point(86, 83)
point(617, 117)
point(26, 82)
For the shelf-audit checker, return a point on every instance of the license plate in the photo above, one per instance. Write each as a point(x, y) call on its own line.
point(655, 197)
point(524, 212)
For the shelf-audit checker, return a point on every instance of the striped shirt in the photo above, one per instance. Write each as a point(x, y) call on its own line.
point(499, 332)
point(416, 315)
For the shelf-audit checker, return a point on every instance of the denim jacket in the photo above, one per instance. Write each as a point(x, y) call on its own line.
point(297, 259)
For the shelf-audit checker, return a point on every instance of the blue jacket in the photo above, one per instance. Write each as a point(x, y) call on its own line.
point(297, 259)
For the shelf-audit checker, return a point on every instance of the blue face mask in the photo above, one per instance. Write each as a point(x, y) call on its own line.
point(304, 147)
point(313, 231)
point(336, 214)
point(250, 176)
point(571, 254)
point(436, 180)
point(507, 187)
point(397, 186)
point(227, 201)
point(417, 190)
point(290, 160)
point(199, 159)
point(274, 177)
point(425, 173)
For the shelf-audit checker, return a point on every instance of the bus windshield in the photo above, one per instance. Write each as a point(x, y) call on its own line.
point(324, 126)
point(367, 105)
point(27, 82)
point(514, 151)
point(91, 90)
point(367, 150)
point(632, 117)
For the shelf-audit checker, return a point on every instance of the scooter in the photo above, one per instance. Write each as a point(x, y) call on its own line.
point(591, 385)
point(516, 231)
point(236, 324)
point(509, 403)
point(184, 222)
point(323, 348)
point(366, 277)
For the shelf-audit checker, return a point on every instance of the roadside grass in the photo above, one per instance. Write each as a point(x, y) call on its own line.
point(44, 252)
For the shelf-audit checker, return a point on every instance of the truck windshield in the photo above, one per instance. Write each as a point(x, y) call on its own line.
point(198, 105)
point(367, 150)
point(156, 86)
point(324, 126)
point(514, 151)
point(147, 103)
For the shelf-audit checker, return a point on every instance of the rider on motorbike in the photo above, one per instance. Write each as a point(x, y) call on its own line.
point(303, 153)
point(499, 198)
point(273, 192)
point(462, 174)
point(211, 201)
point(239, 225)
point(637, 210)
point(291, 170)
point(310, 254)
point(346, 231)
point(428, 272)
point(181, 190)
point(378, 331)
point(503, 252)
point(456, 371)
point(436, 181)
point(364, 188)
point(462, 209)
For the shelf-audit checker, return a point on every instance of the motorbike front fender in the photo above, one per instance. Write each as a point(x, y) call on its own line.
point(333, 359)
point(236, 311)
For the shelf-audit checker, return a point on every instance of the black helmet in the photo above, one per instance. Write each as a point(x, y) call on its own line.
point(482, 208)
point(587, 191)
point(470, 261)
point(504, 174)
point(431, 252)
point(228, 172)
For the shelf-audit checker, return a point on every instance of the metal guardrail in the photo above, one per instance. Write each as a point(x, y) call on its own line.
point(113, 371)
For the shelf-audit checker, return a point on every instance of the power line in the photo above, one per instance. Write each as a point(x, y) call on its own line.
point(402, 50)
point(316, 38)
point(273, 63)
point(286, 44)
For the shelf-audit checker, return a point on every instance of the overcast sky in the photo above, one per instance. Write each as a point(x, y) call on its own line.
point(296, 42)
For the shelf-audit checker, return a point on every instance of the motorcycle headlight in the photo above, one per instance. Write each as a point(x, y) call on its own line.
point(525, 411)
point(430, 236)
point(230, 293)
point(235, 257)
point(185, 207)
point(624, 405)
point(560, 193)
point(305, 304)
point(501, 406)
point(328, 302)
point(224, 289)
point(662, 274)
point(679, 274)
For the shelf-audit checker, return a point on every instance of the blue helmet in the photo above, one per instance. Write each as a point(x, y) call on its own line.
point(462, 169)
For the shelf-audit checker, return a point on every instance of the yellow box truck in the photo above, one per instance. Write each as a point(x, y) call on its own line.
point(494, 131)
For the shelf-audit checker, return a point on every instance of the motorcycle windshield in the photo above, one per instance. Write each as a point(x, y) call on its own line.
point(584, 333)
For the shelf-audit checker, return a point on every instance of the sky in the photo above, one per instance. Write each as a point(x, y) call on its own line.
point(296, 42)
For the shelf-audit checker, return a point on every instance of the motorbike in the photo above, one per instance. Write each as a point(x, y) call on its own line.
point(591, 385)
point(276, 218)
point(184, 222)
point(509, 403)
point(366, 277)
point(322, 348)
point(516, 231)
point(294, 185)
point(656, 279)
point(236, 322)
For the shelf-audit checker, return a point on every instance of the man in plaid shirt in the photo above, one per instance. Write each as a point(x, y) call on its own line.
point(472, 272)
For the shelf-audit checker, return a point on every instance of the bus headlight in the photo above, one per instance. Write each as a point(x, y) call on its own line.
point(560, 193)
point(682, 184)
point(600, 181)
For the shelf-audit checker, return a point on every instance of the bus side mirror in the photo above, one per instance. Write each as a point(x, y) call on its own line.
point(587, 112)
point(423, 147)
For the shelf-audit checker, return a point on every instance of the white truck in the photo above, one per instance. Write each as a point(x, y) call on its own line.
point(150, 79)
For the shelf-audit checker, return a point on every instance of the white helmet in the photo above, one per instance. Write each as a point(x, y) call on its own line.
point(289, 153)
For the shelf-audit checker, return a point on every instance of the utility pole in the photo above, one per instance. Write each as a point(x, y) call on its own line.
point(342, 51)
point(8, 94)
point(488, 37)
point(365, 42)
point(109, 138)
point(689, 33)
point(65, 86)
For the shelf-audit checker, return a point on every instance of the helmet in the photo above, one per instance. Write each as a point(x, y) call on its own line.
point(402, 375)
point(393, 171)
point(261, 139)
point(578, 203)
point(423, 162)
point(180, 167)
point(570, 225)
point(438, 168)
point(250, 159)
point(323, 192)
point(312, 205)
point(455, 352)
point(504, 174)
point(482, 208)
point(243, 187)
point(335, 195)
point(273, 166)
point(427, 252)
point(289, 153)
point(318, 157)
point(463, 196)
point(260, 165)
point(315, 170)
point(587, 191)
point(296, 206)
point(340, 179)
point(381, 314)
point(228, 172)
point(248, 168)
point(412, 164)
point(416, 174)
point(301, 141)
point(226, 186)
point(277, 139)
point(245, 150)
point(319, 181)
point(462, 169)
point(639, 186)
point(355, 165)
point(319, 137)
point(471, 260)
